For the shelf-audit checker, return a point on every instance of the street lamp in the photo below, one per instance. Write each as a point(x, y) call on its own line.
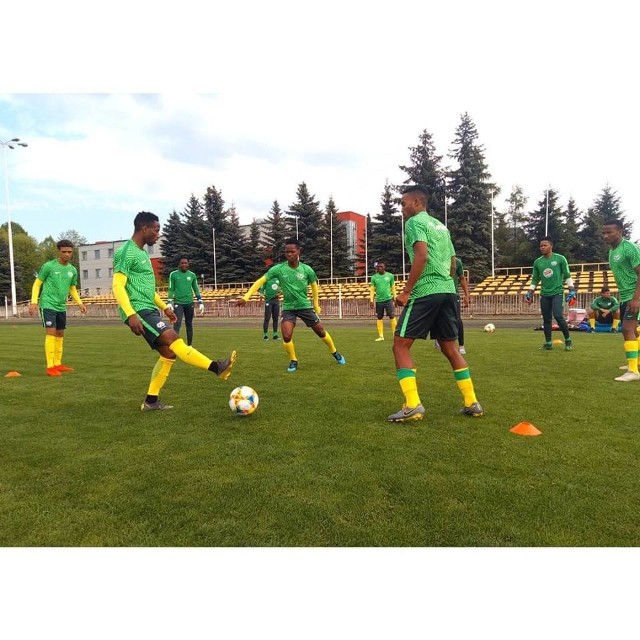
point(11, 144)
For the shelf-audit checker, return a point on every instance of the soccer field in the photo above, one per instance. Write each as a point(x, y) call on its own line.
point(317, 464)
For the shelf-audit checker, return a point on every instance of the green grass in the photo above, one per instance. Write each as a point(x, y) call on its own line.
point(317, 464)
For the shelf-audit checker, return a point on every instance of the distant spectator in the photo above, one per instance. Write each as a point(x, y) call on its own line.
point(605, 311)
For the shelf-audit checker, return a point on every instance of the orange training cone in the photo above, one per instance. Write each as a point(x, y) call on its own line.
point(525, 429)
point(13, 374)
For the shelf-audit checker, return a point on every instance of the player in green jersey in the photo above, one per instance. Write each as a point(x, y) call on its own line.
point(624, 260)
point(183, 285)
point(270, 292)
point(56, 279)
point(383, 289)
point(605, 311)
point(551, 270)
point(429, 301)
point(134, 287)
point(295, 277)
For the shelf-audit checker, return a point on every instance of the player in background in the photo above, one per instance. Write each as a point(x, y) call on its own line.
point(183, 285)
point(134, 287)
point(462, 301)
point(270, 291)
point(605, 310)
point(295, 277)
point(382, 288)
point(429, 301)
point(56, 279)
point(624, 261)
point(551, 270)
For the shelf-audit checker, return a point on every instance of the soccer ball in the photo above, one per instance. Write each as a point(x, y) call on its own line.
point(243, 401)
point(490, 328)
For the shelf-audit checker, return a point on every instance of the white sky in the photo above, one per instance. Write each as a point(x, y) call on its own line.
point(257, 97)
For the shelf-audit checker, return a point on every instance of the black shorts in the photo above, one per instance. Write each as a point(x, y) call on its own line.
point(153, 324)
point(627, 316)
point(435, 314)
point(52, 319)
point(385, 305)
point(308, 316)
point(600, 319)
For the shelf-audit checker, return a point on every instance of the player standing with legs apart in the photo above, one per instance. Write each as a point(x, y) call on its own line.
point(134, 287)
point(429, 301)
point(461, 283)
point(551, 270)
point(383, 289)
point(295, 277)
point(271, 291)
point(624, 260)
point(56, 279)
point(183, 285)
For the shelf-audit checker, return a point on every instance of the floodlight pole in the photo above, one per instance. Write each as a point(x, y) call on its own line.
point(11, 144)
point(215, 268)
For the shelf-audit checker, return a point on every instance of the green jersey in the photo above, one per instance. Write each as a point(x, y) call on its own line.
point(270, 289)
point(135, 263)
point(623, 261)
point(606, 304)
point(382, 283)
point(183, 285)
point(551, 272)
point(57, 279)
point(436, 275)
point(294, 284)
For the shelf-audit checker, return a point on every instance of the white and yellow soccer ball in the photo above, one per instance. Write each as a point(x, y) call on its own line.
point(490, 327)
point(243, 401)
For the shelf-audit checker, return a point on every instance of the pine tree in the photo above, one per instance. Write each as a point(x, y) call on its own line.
point(425, 170)
point(195, 241)
point(172, 243)
point(231, 249)
point(469, 216)
point(385, 238)
point(254, 255)
point(306, 212)
point(335, 262)
point(547, 220)
point(571, 232)
point(275, 232)
point(215, 216)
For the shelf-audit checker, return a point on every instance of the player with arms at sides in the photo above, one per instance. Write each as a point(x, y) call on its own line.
point(383, 289)
point(295, 277)
point(56, 279)
point(270, 291)
point(429, 301)
point(624, 260)
point(604, 311)
point(183, 285)
point(551, 270)
point(134, 287)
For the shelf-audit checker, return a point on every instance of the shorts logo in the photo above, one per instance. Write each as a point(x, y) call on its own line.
point(48, 323)
point(547, 273)
point(161, 325)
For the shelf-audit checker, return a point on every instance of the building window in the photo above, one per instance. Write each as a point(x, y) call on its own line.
point(85, 273)
point(110, 253)
point(84, 255)
point(97, 273)
point(111, 272)
point(96, 254)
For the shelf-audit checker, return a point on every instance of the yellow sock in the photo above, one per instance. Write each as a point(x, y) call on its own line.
point(380, 328)
point(592, 323)
point(631, 353)
point(616, 322)
point(394, 322)
point(50, 350)
point(57, 352)
point(290, 349)
point(159, 375)
point(329, 342)
point(190, 355)
point(463, 380)
point(409, 386)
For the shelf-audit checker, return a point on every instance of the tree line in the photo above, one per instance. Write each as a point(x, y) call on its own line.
point(463, 196)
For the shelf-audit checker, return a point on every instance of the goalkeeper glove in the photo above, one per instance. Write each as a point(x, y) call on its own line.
point(529, 296)
point(201, 308)
point(571, 298)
